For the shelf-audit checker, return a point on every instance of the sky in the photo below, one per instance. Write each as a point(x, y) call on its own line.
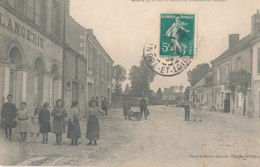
point(123, 27)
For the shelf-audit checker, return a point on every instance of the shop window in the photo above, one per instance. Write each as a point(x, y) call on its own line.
point(11, 82)
point(39, 65)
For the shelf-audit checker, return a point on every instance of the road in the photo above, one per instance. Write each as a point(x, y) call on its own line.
point(165, 139)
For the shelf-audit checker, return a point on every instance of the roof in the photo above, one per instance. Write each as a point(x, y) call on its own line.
point(95, 38)
point(244, 42)
point(206, 81)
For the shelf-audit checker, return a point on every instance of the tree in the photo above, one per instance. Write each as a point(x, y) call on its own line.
point(127, 89)
point(181, 88)
point(119, 76)
point(159, 93)
point(239, 81)
point(141, 77)
point(197, 73)
point(187, 93)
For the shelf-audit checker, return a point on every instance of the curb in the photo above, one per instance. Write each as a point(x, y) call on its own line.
point(32, 161)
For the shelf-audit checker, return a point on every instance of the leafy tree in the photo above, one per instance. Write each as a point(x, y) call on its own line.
point(197, 73)
point(181, 88)
point(187, 92)
point(119, 76)
point(159, 93)
point(239, 81)
point(127, 89)
point(141, 77)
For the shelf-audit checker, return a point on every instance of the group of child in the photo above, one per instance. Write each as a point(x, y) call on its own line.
point(38, 123)
point(31, 125)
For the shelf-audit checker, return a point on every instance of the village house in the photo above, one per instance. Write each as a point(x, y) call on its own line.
point(241, 54)
point(202, 90)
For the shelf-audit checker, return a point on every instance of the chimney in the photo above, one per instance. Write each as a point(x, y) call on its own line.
point(233, 38)
point(67, 6)
point(255, 21)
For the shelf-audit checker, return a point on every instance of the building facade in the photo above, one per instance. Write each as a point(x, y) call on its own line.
point(46, 55)
point(31, 47)
point(75, 63)
point(203, 91)
point(241, 54)
point(87, 66)
point(99, 71)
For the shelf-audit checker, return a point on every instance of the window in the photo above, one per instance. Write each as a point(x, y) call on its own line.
point(9, 2)
point(239, 99)
point(11, 82)
point(94, 61)
point(43, 15)
point(20, 6)
point(30, 9)
point(83, 87)
point(76, 67)
point(56, 19)
point(218, 74)
point(238, 63)
point(258, 61)
point(68, 84)
point(90, 58)
point(227, 72)
point(222, 97)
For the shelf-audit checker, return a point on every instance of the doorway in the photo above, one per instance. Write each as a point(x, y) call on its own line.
point(227, 103)
point(75, 91)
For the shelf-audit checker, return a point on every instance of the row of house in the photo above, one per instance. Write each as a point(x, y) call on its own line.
point(241, 54)
point(46, 55)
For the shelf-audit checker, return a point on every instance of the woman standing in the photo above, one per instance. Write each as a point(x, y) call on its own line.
point(59, 126)
point(23, 121)
point(35, 125)
point(93, 124)
point(44, 119)
point(73, 126)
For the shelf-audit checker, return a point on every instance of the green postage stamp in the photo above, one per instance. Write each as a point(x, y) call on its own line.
point(177, 35)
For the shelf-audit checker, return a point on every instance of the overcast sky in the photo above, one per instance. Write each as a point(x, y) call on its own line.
point(123, 27)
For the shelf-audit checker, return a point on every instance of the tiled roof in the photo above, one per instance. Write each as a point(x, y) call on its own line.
point(239, 44)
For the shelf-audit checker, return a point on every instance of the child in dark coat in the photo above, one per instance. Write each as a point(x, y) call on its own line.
point(44, 119)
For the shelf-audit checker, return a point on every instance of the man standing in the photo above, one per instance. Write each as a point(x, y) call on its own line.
point(104, 105)
point(8, 116)
point(143, 106)
point(187, 110)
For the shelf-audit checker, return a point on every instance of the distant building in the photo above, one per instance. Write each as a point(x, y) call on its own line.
point(170, 94)
point(241, 54)
point(202, 90)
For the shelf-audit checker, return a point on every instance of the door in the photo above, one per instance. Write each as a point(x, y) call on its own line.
point(75, 91)
point(227, 103)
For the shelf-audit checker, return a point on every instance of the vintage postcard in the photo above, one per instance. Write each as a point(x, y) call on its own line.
point(130, 83)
